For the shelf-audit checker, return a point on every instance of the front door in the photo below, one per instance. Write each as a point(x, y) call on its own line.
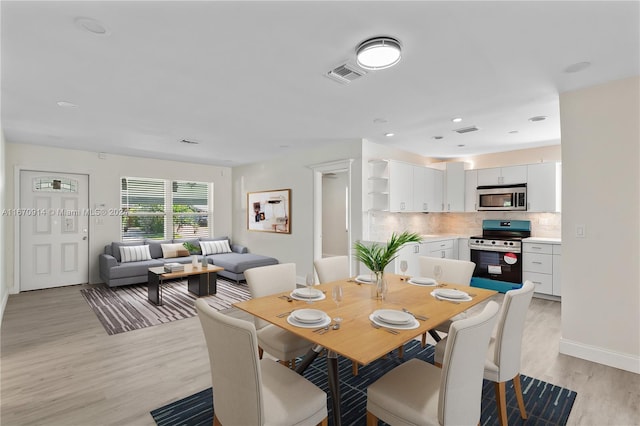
point(54, 222)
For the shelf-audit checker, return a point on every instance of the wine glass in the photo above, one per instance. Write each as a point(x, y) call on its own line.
point(337, 295)
point(403, 266)
point(309, 281)
point(437, 273)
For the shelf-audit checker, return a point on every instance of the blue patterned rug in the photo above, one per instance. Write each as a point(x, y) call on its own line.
point(546, 404)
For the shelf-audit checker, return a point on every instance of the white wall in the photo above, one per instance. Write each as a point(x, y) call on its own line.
point(291, 170)
point(4, 281)
point(334, 210)
point(601, 191)
point(104, 187)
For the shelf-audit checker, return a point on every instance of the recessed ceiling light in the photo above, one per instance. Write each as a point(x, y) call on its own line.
point(538, 118)
point(65, 104)
point(437, 137)
point(378, 53)
point(457, 119)
point(91, 25)
point(577, 67)
point(188, 142)
point(389, 134)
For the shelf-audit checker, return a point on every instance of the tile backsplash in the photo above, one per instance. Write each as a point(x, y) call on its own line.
point(383, 224)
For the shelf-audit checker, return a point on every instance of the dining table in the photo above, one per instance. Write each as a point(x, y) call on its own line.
point(358, 337)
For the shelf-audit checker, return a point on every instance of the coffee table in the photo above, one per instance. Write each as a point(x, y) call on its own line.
point(201, 280)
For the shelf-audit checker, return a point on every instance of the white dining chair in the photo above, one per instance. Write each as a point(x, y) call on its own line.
point(280, 343)
point(503, 355)
point(418, 393)
point(332, 268)
point(454, 271)
point(249, 391)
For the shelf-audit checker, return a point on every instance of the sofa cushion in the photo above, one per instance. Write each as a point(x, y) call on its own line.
point(133, 269)
point(215, 247)
point(214, 238)
point(238, 263)
point(174, 250)
point(115, 247)
point(134, 253)
point(155, 247)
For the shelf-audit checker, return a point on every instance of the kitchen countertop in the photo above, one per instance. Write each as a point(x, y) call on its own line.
point(547, 240)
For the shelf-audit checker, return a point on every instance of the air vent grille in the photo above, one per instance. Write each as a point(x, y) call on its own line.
point(345, 73)
point(467, 129)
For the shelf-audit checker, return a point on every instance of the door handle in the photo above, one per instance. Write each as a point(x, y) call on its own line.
point(84, 238)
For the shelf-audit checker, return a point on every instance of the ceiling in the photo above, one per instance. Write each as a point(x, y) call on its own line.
point(248, 80)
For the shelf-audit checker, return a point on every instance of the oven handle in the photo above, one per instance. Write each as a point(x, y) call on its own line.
point(497, 249)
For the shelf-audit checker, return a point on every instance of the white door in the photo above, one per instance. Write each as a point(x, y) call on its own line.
point(54, 222)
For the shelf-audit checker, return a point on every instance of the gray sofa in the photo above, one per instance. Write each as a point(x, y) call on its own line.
point(115, 273)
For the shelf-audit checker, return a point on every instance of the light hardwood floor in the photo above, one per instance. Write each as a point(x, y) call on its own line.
point(59, 367)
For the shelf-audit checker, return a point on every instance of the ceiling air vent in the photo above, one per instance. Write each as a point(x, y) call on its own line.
point(346, 73)
point(466, 129)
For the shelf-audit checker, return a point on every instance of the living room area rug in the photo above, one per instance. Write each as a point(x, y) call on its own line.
point(126, 308)
point(546, 404)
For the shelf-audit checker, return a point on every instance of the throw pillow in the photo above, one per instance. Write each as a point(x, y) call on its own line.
point(174, 250)
point(215, 247)
point(134, 253)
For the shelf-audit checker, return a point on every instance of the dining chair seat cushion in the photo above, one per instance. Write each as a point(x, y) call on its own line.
point(289, 400)
point(444, 327)
point(281, 343)
point(397, 393)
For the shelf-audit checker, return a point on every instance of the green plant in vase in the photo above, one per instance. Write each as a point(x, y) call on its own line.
point(376, 256)
point(193, 250)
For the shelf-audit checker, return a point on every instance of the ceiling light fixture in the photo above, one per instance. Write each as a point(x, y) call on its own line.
point(65, 104)
point(378, 53)
point(457, 119)
point(538, 118)
point(389, 134)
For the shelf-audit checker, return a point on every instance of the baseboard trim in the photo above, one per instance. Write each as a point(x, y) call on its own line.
point(614, 359)
point(3, 305)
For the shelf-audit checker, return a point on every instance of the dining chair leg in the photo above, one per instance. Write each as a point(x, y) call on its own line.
point(371, 419)
point(354, 368)
point(324, 422)
point(284, 362)
point(424, 339)
point(435, 335)
point(400, 351)
point(501, 401)
point(293, 364)
point(518, 388)
point(260, 352)
point(216, 422)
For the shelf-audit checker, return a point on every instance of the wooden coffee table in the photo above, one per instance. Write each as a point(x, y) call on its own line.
point(201, 280)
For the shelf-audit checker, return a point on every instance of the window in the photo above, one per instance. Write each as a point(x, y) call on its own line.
point(162, 209)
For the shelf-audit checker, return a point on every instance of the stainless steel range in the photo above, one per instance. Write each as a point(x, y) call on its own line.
point(497, 254)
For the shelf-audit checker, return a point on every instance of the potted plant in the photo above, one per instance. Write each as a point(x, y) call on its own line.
point(376, 256)
point(193, 251)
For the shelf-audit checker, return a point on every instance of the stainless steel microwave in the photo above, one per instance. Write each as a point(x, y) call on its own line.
point(502, 197)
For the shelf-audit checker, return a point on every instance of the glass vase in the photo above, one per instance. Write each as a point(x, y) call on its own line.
point(194, 261)
point(378, 285)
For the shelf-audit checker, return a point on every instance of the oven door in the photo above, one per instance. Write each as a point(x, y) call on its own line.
point(497, 265)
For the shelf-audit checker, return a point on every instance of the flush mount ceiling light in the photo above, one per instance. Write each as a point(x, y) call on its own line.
point(457, 119)
point(378, 53)
point(389, 134)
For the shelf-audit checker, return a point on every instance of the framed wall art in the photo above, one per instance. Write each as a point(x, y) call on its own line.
point(269, 211)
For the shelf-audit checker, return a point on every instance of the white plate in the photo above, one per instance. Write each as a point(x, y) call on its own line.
point(307, 293)
point(392, 316)
point(450, 293)
point(437, 296)
point(308, 316)
point(422, 281)
point(363, 278)
point(413, 324)
point(293, 321)
point(308, 299)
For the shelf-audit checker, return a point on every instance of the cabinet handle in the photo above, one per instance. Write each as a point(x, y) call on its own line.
point(536, 247)
point(448, 206)
point(536, 282)
point(442, 254)
point(537, 263)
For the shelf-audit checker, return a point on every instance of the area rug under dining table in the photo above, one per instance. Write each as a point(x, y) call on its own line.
point(546, 404)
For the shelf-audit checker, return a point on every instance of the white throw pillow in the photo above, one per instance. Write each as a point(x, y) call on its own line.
point(174, 250)
point(215, 247)
point(134, 253)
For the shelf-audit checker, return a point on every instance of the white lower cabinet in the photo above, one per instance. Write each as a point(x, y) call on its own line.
point(444, 248)
point(411, 253)
point(541, 265)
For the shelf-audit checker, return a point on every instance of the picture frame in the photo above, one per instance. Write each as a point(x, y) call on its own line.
point(269, 211)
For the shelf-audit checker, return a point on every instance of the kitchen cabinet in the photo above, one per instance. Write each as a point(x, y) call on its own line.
point(409, 253)
point(502, 175)
point(443, 249)
point(543, 187)
point(470, 190)
point(464, 252)
point(400, 187)
point(541, 265)
point(455, 186)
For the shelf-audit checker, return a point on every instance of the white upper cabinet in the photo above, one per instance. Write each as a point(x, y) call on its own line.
point(470, 189)
point(436, 201)
point(455, 186)
point(502, 175)
point(427, 189)
point(543, 187)
point(400, 186)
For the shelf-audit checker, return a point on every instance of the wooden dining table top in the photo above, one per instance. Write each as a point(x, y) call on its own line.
point(357, 339)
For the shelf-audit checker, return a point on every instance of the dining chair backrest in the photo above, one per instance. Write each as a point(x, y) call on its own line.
point(235, 369)
point(463, 366)
point(332, 268)
point(508, 340)
point(267, 280)
point(454, 271)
